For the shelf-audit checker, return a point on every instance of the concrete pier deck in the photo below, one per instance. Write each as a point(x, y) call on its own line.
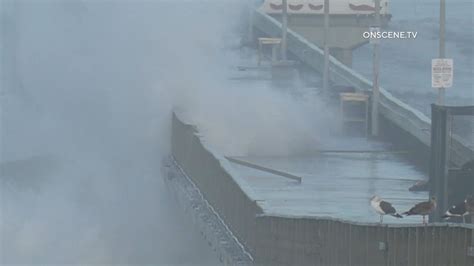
point(277, 220)
point(336, 185)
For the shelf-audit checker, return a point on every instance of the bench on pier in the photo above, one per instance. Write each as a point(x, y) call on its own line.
point(273, 42)
point(354, 109)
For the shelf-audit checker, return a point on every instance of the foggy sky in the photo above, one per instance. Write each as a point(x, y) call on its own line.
point(86, 101)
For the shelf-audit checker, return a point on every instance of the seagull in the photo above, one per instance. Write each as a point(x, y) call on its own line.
point(423, 208)
point(458, 210)
point(383, 208)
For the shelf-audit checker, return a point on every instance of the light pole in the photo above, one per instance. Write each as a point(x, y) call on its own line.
point(284, 27)
point(376, 67)
point(250, 21)
point(442, 45)
point(326, 48)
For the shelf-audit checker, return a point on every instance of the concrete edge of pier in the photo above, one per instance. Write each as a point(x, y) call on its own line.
point(393, 225)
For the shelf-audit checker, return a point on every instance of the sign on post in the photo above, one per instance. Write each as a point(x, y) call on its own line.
point(441, 73)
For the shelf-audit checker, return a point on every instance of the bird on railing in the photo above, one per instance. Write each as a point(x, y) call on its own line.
point(383, 208)
point(423, 208)
point(458, 210)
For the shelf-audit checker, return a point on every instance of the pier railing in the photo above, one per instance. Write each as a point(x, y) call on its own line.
point(328, 241)
point(393, 109)
point(212, 175)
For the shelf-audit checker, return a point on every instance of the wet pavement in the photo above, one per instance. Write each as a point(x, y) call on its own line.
point(335, 185)
point(338, 185)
